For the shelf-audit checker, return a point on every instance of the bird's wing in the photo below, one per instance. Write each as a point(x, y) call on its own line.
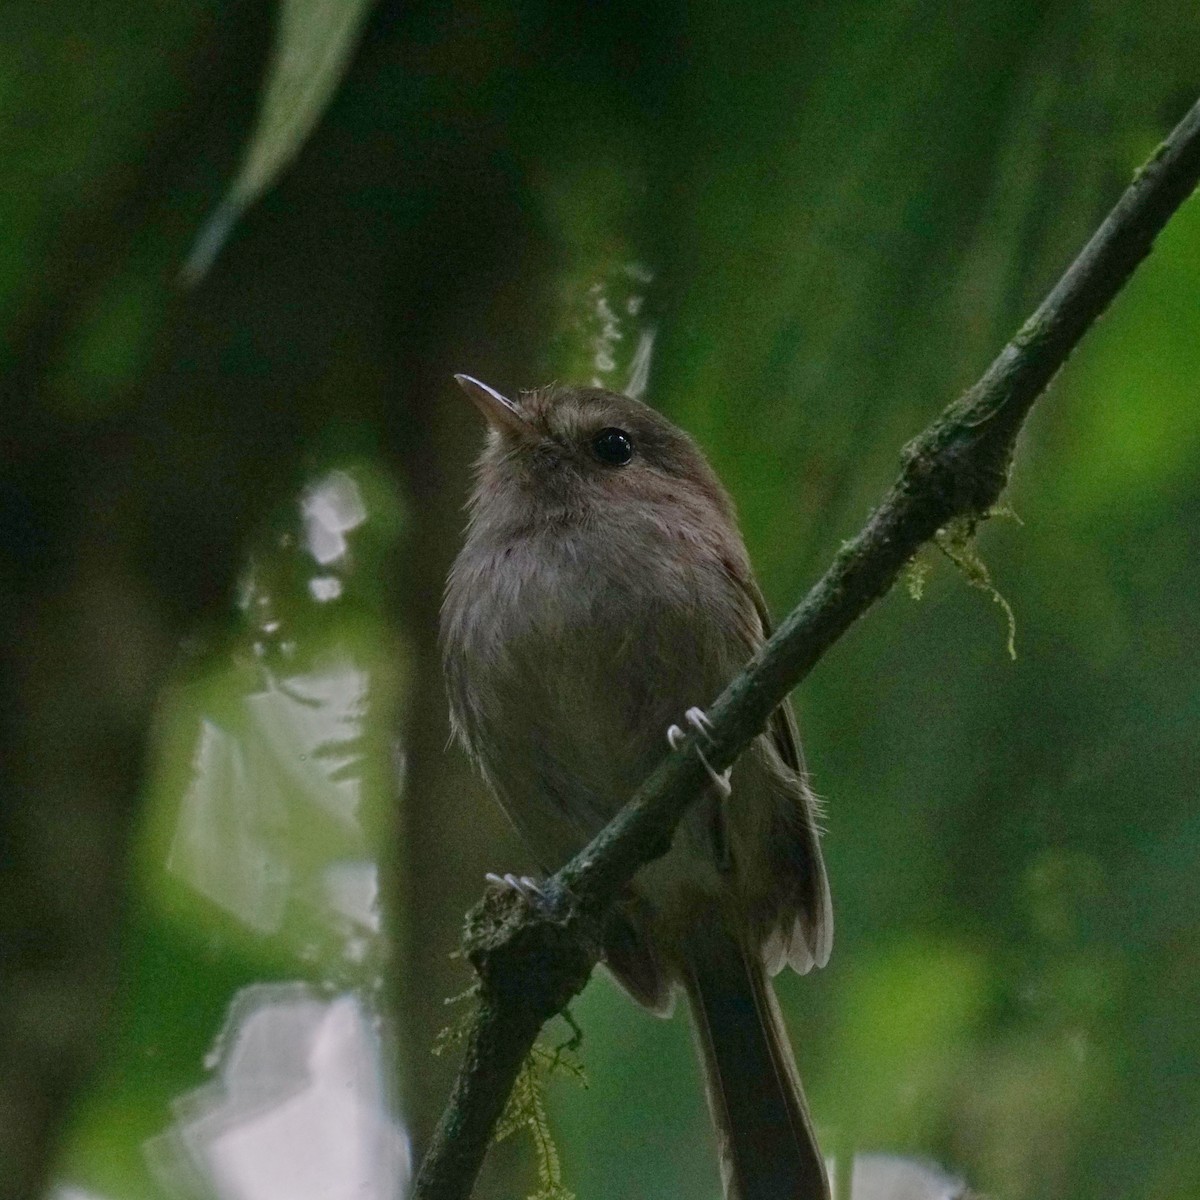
point(782, 726)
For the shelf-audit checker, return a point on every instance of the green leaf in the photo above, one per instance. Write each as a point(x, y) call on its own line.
point(313, 44)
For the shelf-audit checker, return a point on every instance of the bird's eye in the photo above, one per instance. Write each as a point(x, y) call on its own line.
point(613, 446)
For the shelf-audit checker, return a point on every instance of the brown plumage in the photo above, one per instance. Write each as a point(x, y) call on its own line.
point(604, 589)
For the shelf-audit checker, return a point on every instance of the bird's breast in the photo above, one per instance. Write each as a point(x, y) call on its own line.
point(570, 652)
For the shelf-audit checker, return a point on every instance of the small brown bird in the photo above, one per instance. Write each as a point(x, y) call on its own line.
point(603, 589)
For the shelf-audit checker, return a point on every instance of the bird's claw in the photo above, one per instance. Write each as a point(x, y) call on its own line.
point(525, 887)
point(697, 718)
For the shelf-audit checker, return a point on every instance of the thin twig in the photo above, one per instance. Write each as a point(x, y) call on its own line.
point(530, 964)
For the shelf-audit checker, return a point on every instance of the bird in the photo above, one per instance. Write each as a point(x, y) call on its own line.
point(602, 589)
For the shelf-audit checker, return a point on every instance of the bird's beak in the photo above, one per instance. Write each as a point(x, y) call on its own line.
point(501, 413)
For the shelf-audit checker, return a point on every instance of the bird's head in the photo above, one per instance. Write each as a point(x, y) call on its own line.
point(582, 453)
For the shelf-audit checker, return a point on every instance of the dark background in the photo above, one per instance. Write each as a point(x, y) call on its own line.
point(828, 217)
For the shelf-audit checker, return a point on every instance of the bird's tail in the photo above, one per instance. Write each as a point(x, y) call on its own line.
point(766, 1143)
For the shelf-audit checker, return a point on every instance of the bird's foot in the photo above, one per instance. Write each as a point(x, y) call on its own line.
point(525, 887)
point(697, 718)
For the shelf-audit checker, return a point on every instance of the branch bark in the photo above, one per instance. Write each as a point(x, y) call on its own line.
point(531, 963)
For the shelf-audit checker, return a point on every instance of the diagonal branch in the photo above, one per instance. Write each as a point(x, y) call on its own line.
point(531, 963)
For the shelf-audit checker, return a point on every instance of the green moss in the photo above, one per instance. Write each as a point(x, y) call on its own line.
point(957, 542)
point(526, 1109)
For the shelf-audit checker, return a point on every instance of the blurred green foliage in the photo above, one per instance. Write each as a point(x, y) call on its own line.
point(817, 223)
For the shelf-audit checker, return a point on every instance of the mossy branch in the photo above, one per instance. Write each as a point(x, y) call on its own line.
point(531, 963)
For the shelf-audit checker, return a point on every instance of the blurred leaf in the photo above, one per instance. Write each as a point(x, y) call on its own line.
point(313, 45)
point(107, 352)
point(906, 1024)
point(1137, 386)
